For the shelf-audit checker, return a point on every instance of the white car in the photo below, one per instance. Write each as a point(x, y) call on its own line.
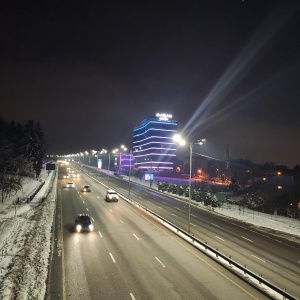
point(111, 195)
point(70, 185)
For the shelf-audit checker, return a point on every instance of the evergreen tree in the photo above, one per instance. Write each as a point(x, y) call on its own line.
point(33, 146)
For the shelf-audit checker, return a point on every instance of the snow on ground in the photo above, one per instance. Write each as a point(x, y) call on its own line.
point(25, 237)
point(25, 240)
point(265, 221)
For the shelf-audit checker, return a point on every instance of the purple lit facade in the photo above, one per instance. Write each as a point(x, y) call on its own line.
point(153, 145)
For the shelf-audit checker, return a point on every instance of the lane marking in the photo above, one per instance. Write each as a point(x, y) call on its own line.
point(160, 262)
point(98, 197)
point(194, 215)
point(132, 297)
point(174, 215)
point(258, 258)
point(193, 224)
point(200, 258)
point(215, 225)
point(136, 237)
point(93, 219)
point(87, 209)
point(246, 239)
point(110, 210)
point(112, 257)
point(159, 207)
point(220, 238)
point(100, 233)
point(121, 221)
point(177, 208)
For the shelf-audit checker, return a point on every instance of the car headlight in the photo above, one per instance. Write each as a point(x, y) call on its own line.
point(91, 227)
point(78, 228)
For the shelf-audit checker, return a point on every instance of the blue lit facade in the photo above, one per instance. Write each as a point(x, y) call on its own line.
point(153, 145)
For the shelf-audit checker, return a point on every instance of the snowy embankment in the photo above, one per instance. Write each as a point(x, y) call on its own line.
point(25, 241)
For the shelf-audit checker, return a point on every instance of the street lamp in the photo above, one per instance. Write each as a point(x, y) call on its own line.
point(177, 138)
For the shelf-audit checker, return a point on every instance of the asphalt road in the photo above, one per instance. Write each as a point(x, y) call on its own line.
point(129, 255)
point(273, 255)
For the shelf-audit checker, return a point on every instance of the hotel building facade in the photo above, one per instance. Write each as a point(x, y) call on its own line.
point(153, 146)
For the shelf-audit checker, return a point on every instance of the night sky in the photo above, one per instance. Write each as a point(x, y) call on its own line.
point(89, 71)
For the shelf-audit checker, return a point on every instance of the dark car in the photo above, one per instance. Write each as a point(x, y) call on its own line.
point(86, 188)
point(83, 222)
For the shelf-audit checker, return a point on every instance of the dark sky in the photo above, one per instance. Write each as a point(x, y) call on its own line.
point(89, 71)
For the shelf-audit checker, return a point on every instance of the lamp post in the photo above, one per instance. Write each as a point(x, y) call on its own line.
point(129, 187)
point(177, 138)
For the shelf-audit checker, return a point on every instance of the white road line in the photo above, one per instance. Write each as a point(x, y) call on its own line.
point(164, 202)
point(121, 221)
point(246, 239)
point(100, 233)
point(174, 215)
point(258, 258)
point(136, 237)
point(87, 209)
point(160, 262)
point(159, 207)
point(98, 197)
point(93, 220)
point(177, 208)
point(132, 297)
point(112, 257)
point(83, 201)
point(111, 210)
point(220, 238)
point(193, 224)
point(194, 215)
point(215, 225)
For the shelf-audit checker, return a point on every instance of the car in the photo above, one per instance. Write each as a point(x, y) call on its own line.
point(111, 195)
point(83, 222)
point(86, 188)
point(66, 176)
point(70, 185)
point(75, 175)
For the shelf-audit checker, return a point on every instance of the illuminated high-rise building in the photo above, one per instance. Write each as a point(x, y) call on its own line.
point(153, 145)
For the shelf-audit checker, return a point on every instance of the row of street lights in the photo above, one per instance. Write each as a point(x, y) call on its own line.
point(177, 138)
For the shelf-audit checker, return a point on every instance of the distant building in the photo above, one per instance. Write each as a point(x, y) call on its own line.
point(153, 145)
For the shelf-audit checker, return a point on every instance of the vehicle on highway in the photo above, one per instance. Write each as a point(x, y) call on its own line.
point(75, 175)
point(83, 222)
point(111, 195)
point(66, 176)
point(86, 188)
point(70, 185)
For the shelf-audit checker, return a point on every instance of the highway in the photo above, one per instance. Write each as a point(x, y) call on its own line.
point(274, 256)
point(129, 255)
